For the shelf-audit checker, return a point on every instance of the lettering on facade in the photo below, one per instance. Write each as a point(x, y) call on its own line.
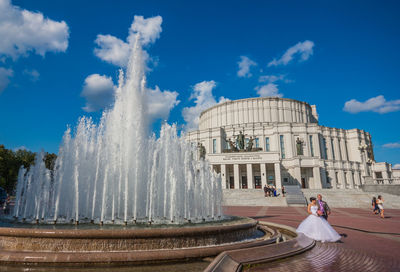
point(242, 157)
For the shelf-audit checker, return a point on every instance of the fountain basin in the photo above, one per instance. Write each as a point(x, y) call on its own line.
point(119, 246)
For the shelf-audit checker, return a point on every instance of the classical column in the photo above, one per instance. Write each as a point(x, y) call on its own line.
point(332, 176)
point(317, 147)
point(357, 178)
point(236, 176)
point(224, 177)
point(250, 177)
point(278, 178)
point(350, 178)
point(263, 174)
point(385, 177)
point(317, 178)
point(323, 178)
point(328, 144)
point(342, 179)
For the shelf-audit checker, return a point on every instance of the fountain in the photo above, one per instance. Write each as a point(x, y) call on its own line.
point(118, 195)
point(128, 191)
point(115, 173)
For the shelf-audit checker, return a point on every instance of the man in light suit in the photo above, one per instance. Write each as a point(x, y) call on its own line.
point(323, 208)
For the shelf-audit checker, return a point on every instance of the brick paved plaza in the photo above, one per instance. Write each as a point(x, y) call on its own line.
point(369, 243)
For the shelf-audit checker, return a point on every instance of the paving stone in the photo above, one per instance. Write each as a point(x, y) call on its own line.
point(369, 243)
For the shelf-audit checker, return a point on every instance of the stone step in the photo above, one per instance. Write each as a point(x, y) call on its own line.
point(345, 198)
point(250, 197)
point(294, 195)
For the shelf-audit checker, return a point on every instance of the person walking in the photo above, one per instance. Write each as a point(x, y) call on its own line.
point(379, 202)
point(375, 208)
point(323, 208)
point(283, 191)
point(265, 190)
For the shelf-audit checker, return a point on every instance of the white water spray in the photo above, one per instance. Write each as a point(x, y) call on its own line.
point(115, 172)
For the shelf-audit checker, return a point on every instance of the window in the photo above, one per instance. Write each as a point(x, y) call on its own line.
point(324, 154)
point(333, 150)
point(347, 152)
point(282, 146)
point(340, 151)
point(214, 146)
point(311, 147)
point(257, 143)
point(328, 179)
point(267, 144)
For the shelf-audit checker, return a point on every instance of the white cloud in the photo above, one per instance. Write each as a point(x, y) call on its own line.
point(98, 91)
point(204, 99)
point(148, 29)
point(23, 31)
point(116, 51)
point(244, 66)
point(160, 103)
point(391, 145)
point(5, 74)
point(274, 78)
point(396, 166)
point(270, 89)
point(32, 74)
point(303, 49)
point(375, 104)
point(112, 50)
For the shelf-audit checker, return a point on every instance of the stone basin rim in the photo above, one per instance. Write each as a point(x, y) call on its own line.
point(178, 231)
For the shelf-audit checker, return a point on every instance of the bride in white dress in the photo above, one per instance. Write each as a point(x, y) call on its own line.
point(316, 227)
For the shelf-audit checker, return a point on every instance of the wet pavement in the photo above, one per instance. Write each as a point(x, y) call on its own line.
point(368, 242)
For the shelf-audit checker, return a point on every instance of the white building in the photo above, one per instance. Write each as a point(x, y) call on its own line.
point(289, 147)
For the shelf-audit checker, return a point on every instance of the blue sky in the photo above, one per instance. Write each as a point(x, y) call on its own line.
point(326, 53)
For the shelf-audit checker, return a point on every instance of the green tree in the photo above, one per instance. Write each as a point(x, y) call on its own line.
point(11, 161)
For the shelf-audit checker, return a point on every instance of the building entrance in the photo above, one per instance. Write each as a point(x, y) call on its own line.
point(303, 182)
point(231, 183)
point(244, 182)
point(257, 181)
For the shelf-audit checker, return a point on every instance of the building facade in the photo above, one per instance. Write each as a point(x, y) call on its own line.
point(278, 141)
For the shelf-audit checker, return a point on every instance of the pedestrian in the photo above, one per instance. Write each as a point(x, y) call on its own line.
point(283, 191)
point(6, 205)
point(265, 190)
point(323, 208)
point(379, 202)
point(375, 208)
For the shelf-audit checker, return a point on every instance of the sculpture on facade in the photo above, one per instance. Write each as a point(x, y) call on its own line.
point(240, 141)
point(201, 151)
point(370, 153)
point(232, 146)
point(240, 144)
point(299, 147)
point(250, 144)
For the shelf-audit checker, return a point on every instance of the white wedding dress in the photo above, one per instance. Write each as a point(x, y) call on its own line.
point(318, 228)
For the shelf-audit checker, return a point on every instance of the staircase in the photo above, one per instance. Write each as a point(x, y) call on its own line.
point(354, 198)
point(294, 196)
point(250, 197)
point(341, 198)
